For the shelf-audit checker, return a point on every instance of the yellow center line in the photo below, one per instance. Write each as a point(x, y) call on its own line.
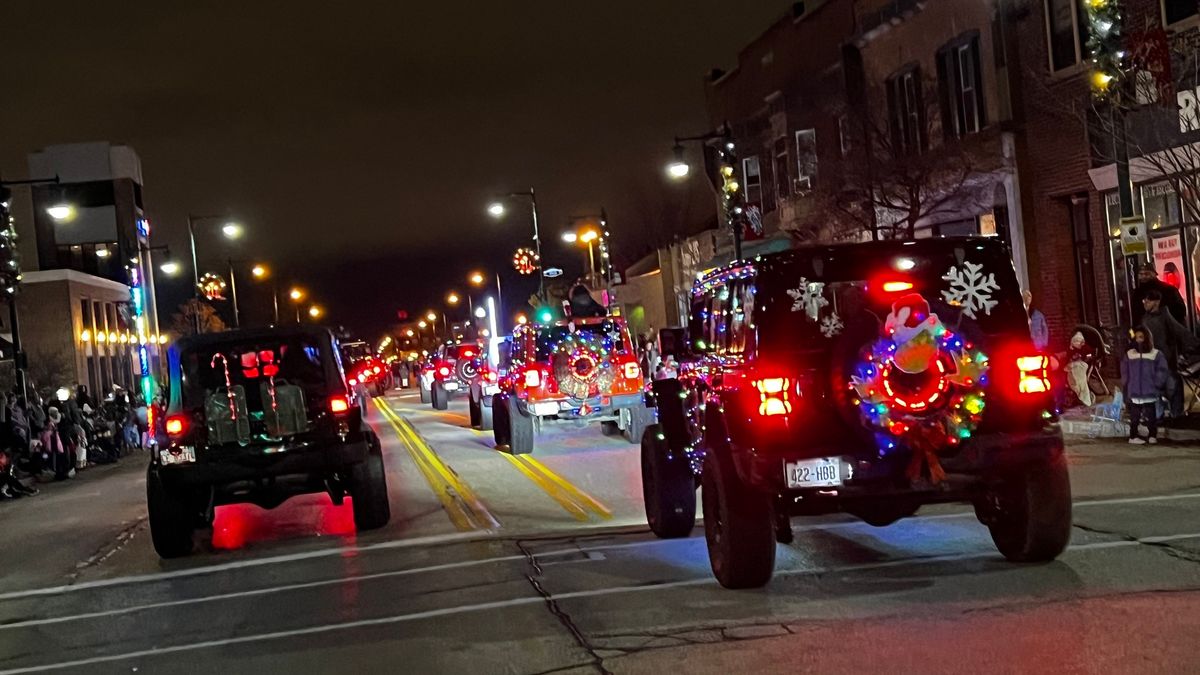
point(579, 496)
point(563, 500)
point(464, 492)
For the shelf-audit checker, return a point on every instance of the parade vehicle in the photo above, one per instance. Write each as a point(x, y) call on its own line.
point(454, 368)
point(258, 416)
point(493, 365)
point(372, 376)
point(865, 378)
point(575, 371)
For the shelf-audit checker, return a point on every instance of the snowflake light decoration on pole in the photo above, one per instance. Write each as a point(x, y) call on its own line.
point(526, 261)
point(212, 286)
point(809, 297)
point(970, 289)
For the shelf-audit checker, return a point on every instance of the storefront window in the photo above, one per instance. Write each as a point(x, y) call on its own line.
point(1161, 205)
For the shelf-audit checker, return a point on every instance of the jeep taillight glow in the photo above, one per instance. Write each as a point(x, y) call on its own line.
point(339, 404)
point(533, 378)
point(774, 396)
point(1034, 374)
point(176, 426)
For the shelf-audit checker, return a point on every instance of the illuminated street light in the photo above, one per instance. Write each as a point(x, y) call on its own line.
point(453, 298)
point(570, 237)
point(296, 294)
point(61, 212)
point(480, 313)
point(679, 168)
point(421, 324)
point(169, 267)
point(496, 209)
point(409, 332)
point(589, 236)
point(476, 278)
point(431, 317)
point(259, 271)
point(314, 311)
point(231, 230)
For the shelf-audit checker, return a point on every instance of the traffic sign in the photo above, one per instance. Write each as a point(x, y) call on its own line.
point(1133, 236)
point(552, 272)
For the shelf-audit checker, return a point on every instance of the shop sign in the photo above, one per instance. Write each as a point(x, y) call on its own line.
point(1168, 260)
point(1133, 236)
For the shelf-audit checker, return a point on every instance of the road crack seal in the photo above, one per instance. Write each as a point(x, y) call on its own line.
point(108, 550)
point(1166, 547)
point(559, 613)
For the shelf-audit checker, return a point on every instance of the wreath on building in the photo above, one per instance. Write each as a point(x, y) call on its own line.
point(920, 386)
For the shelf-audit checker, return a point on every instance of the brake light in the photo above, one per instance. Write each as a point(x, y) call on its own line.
point(897, 286)
point(375, 370)
point(338, 404)
point(533, 378)
point(774, 396)
point(443, 371)
point(176, 425)
point(492, 376)
point(1035, 375)
point(632, 371)
point(467, 353)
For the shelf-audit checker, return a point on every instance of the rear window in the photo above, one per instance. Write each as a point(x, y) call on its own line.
point(257, 366)
point(806, 298)
point(609, 331)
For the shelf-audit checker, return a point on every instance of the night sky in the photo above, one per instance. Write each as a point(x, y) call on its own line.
point(360, 142)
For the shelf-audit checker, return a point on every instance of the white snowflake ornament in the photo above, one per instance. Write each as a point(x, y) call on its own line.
point(970, 289)
point(832, 326)
point(809, 297)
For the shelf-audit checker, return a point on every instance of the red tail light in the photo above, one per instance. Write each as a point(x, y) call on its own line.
point(632, 371)
point(1035, 374)
point(375, 370)
point(176, 425)
point(444, 371)
point(338, 404)
point(533, 378)
point(774, 396)
point(492, 376)
point(897, 286)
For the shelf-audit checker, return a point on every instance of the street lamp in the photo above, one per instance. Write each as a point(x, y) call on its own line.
point(259, 271)
point(296, 295)
point(730, 193)
point(452, 298)
point(679, 168)
point(231, 230)
point(431, 317)
point(497, 211)
point(480, 313)
point(314, 311)
point(169, 267)
point(61, 211)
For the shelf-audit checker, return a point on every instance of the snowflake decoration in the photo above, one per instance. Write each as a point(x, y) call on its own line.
point(809, 297)
point(832, 325)
point(970, 289)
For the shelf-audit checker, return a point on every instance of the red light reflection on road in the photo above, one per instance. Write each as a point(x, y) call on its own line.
point(239, 525)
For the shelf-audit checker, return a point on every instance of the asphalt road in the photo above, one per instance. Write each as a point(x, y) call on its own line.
point(495, 564)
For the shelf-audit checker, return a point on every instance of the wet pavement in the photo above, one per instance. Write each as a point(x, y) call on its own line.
point(505, 565)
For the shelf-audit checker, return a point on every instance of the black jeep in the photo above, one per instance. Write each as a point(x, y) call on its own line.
point(258, 416)
point(865, 378)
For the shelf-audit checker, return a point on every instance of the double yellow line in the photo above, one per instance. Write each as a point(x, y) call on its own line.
point(578, 503)
point(464, 507)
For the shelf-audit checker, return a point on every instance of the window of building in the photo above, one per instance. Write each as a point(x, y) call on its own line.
point(806, 159)
point(783, 177)
point(752, 179)
point(905, 112)
point(960, 79)
point(1161, 205)
point(1066, 32)
point(1175, 11)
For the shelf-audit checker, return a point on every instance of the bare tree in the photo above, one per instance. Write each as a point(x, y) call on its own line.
point(183, 322)
point(51, 369)
point(900, 172)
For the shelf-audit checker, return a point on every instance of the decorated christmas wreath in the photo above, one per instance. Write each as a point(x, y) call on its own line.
point(920, 386)
point(582, 365)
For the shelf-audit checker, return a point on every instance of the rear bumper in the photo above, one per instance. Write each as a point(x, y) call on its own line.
point(866, 473)
point(313, 460)
point(597, 407)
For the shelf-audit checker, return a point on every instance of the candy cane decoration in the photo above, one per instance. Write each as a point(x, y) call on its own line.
point(228, 384)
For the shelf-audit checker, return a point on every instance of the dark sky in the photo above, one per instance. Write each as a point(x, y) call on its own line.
point(359, 142)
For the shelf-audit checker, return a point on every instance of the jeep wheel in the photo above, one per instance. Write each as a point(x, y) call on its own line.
point(501, 429)
point(520, 426)
point(172, 520)
point(425, 393)
point(668, 487)
point(639, 417)
point(738, 526)
point(610, 429)
point(1029, 514)
point(439, 397)
point(368, 489)
point(485, 416)
point(473, 407)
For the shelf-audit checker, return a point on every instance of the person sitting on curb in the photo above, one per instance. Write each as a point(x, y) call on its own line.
point(1144, 375)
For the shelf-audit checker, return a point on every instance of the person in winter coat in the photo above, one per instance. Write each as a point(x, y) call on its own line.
point(1144, 376)
point(1173, 340)
point(60, 456)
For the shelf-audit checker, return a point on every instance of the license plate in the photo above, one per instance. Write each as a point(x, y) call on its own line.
point(450, 386)
point(491, 390)
point(824, 472)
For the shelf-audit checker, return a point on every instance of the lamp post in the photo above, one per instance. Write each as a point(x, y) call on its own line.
point(231, 230)
point(296, 295)
point(497, 211)
point(732, 198)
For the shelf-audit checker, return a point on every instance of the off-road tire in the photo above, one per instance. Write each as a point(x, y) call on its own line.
point(473, 407)
point(520, 428)
point(426, 395)
point(738, 526)
point(610, 429)
point(368, 490)
point(668, 487)
point(486, 416)
point(640, 417)
point(1030, 520)
point(172, 519)
point(439, 397)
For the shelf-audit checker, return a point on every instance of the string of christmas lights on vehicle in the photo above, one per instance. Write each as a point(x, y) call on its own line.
point(583, 364)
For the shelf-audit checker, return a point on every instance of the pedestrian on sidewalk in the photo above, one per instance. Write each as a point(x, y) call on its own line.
point(1174, 340)
point(1168, 295)
point(1039, 330)
point(1144, 376)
